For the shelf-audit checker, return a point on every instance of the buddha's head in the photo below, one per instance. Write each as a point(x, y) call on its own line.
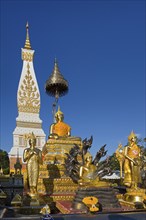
point(88, 157)
point(32, 140)
point(132, 137)
point(59, 116)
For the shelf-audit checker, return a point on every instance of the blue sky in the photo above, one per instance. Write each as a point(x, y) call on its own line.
point(100, 48)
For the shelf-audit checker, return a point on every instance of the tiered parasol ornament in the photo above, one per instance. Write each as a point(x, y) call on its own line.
point(56, 85)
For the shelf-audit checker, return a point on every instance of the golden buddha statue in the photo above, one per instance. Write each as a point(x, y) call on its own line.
point(60, 128)
point(132, 162)
point(33, 157)
point(88, 172)
point(59, 142)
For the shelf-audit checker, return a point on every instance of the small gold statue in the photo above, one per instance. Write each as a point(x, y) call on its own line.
point(120, 157)
point(33, 157)
point(60, 128)
point(45, 210)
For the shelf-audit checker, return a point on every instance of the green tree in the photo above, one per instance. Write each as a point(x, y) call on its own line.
point(142, 144)
point(113, 162)
point(4, 161)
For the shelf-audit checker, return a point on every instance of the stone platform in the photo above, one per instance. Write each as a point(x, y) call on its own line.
point(106, 197)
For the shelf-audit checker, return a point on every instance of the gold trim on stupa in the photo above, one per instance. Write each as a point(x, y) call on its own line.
point(28, 96)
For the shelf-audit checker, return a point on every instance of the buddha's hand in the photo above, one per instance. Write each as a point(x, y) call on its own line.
point(35, 152)
point(136, 162)
point(32, 152)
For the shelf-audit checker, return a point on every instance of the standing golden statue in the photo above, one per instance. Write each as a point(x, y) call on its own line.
point(33, 157)
point(132, 162)
point(60, 128)
point(130, 158)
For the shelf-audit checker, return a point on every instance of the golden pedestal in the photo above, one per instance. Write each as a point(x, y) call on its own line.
point(135, 195)
point(52, 190)
point(132, 197)
point(53, 184)
point(55, 149)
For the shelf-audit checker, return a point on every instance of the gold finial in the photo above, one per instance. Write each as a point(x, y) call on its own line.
point(27, 42)
point(132, 135)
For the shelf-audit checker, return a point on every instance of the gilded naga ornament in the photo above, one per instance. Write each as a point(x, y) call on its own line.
point(87, 170)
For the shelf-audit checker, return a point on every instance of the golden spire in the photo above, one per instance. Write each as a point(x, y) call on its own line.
point(27, 42)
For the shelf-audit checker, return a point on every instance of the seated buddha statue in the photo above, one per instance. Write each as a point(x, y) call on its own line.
point(88, 173)
point(60, 128)
point(59, 141)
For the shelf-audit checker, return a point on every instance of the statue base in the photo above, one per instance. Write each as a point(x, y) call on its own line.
point(106, 197)
point(33, 200)
point(134, 198)
point(134, 195)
